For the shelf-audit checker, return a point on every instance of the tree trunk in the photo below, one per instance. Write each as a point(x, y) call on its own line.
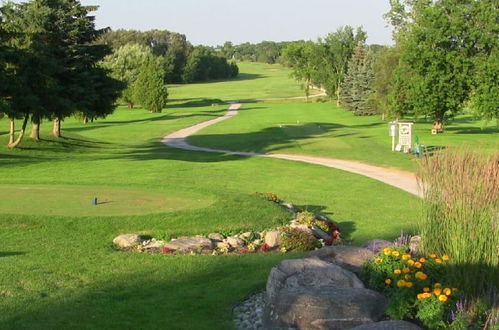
point(21, 134)
point(85, 120)
point(338, 94)
point(11, 132)
point(130, 105)
point(56, 129)
point(438, 125)
point(35, 129)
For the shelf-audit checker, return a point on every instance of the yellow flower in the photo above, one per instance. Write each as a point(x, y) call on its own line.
point(406, 270)
point(378, 260)
point(410, 262)
point(417, 264)
point(395, 253)
point(397, 271)
point(438, 261)
point(442, 298)
point(447, 291)
point(437, 285)
point(406, 257)
point(445, 257)
point(422, 260)
point(420, 295)
point(426, 295)
point(407, 276)
point(409, 284)
point(421, 276)
point(387, 251)
point(388, 281)
point(426, 289)
point(437, 291)
point(433, 255)
point(401, 283)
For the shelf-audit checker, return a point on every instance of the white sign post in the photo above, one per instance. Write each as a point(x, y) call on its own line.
point(405, 135)
point(392, 131)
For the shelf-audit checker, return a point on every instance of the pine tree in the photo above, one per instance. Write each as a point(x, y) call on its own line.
point(150, 89)
point(356, 89)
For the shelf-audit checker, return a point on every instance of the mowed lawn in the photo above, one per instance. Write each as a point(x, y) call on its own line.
point(59, 269)
point(324, 130)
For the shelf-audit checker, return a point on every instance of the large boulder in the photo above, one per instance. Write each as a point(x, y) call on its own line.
point(376, 245)
point(127, 241)
point(216, 237)
point(388, 325)
point(235, 242)
point(323, 308)
point(308, 272)
point(414, 244)
point(349, 257)
point(194, 244)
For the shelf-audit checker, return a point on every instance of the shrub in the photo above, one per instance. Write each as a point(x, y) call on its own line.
point(297, 240)
point(461, 216)
point(308, 218)
point(268, 196)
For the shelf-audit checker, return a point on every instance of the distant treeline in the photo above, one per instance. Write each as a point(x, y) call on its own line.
point(182, 62)
point(266, 51)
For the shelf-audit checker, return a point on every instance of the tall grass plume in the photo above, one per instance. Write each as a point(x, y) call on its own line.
point(461, 216)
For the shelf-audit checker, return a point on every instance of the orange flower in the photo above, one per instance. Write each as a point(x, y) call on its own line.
point(388, 281)
point(447, 291)
point(420, 295)
point(407, 276)
point(426, 289)
point(421, 276)
point(433, 255)
point(387, 251)
point(442, 298)
point(437, 291)
point(427, 295)
point(417, 264)
point(445, 257)
point(406, 270)
point(422, 260)
point(437, 285)
point(401, 283)
point(397, 271)
point(409, 284)
point(395, 253)
point(406, 257)
point(410, 262)
point(438, 261)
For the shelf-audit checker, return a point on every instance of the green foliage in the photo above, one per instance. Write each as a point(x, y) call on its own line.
point(296, 240)
point(431, 312)
point(357, 93)
point(461, 203)
point(150, 89)
point(308, 218)
point(385, 63)
point(125, 64)
point(203, 64)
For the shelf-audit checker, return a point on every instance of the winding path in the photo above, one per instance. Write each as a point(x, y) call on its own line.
point(397, 178)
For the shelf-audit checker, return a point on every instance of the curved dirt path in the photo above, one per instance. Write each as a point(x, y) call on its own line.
point(393, 177)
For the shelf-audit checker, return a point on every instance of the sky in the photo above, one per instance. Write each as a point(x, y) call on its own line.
point(212, 22)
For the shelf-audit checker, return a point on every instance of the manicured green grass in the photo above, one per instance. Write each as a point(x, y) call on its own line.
point(63, 271)
point(324, 130)
point(255, 81)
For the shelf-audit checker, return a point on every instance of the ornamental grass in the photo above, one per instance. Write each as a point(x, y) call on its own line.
point(461, 216)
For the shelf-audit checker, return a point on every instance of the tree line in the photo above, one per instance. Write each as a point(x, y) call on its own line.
point(445, 58)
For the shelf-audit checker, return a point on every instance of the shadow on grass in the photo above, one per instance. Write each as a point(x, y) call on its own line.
point(10, 254)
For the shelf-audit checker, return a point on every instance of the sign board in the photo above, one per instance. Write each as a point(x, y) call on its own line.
point(405, 135)
point(392, 128)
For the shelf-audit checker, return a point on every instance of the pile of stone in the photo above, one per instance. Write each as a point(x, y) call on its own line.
point(216, 243)
point(320, 291)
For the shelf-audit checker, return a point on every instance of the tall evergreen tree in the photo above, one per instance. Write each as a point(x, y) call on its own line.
point(150, 89)
point(357, 92)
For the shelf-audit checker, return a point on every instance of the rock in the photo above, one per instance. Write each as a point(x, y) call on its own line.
point(126, 241)
point(193, 244)
point(376, 245)
point(303, 228)
point(414, 244)
point(245, 235)
point(154, 245)
point(273, 238)
point(319, 233)
point(388, 325)
point(349, 257)
point(308, 272)
point(222, 245)
point(235, 242)
point(289, 206)
point(323, 308)
point(216, 237)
